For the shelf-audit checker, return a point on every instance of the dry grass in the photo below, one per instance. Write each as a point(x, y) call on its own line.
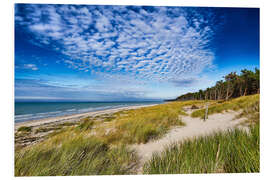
point(24, 129)
point(144, 124)
point(71, 153)
point(235, 151)
point(236, 104)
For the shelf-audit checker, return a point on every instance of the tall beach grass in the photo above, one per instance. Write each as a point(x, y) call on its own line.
point(74, 154)
point(236, 151)
point(143, 124)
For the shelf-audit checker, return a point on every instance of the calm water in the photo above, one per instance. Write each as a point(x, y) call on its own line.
point(25, 111)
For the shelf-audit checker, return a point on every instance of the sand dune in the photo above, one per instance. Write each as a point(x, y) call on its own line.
point(195, 127)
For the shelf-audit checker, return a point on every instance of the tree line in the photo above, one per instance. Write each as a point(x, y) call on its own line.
point(233, 85)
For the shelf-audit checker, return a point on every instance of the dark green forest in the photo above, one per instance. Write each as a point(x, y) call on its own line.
point(233, 85)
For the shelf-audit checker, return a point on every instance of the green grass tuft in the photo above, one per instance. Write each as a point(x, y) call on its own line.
point(47, 129)
point(85, 124)
point(235, 151)
point(25, 129)
point(78, 155)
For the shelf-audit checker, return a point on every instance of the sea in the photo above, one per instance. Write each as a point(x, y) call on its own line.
point(26, 111)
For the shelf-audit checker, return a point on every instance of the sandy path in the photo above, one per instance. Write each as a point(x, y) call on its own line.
point(194, 127)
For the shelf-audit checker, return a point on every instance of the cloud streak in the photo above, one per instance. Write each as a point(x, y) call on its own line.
point(159, 44)
point(32, 67)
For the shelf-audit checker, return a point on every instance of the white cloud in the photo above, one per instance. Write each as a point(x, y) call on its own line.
point(163, 44)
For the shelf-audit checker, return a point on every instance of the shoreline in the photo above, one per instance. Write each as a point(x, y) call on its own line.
point(74, 117)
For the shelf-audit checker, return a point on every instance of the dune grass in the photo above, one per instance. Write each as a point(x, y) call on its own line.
point(73, 154)
point(86, 124)
point(235, 151)
point(25, 129)
point(108, 117)
point(46, 129)
point(236, 104)
point(251, 113)
point(143, 124)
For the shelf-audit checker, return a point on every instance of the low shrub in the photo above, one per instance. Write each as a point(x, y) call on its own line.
point(25, 129)
point(85, 124)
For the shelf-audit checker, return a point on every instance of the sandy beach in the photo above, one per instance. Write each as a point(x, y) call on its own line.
point(74, 117)
point(194, 126)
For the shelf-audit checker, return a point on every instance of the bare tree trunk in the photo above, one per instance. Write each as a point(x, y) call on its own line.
point(240, 91)
point(221, 95)
point(245, 91)
point(227, 94)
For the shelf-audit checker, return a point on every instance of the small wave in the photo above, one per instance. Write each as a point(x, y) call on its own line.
point(71, 110)
point(34, 117)
point(28, 118)
point(102, 108)
point(24, 115)
point(96, 108)
point(21, 119)
point(86, 110)
point(52, 112)
point(55, 112)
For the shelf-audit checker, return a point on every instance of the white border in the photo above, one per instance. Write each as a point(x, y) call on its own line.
point(220, 3)
point(7, 81)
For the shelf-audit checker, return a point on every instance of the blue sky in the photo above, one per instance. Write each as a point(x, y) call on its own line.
point(128, 53)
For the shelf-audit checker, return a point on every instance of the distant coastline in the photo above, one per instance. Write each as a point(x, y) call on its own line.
point(77, 116)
